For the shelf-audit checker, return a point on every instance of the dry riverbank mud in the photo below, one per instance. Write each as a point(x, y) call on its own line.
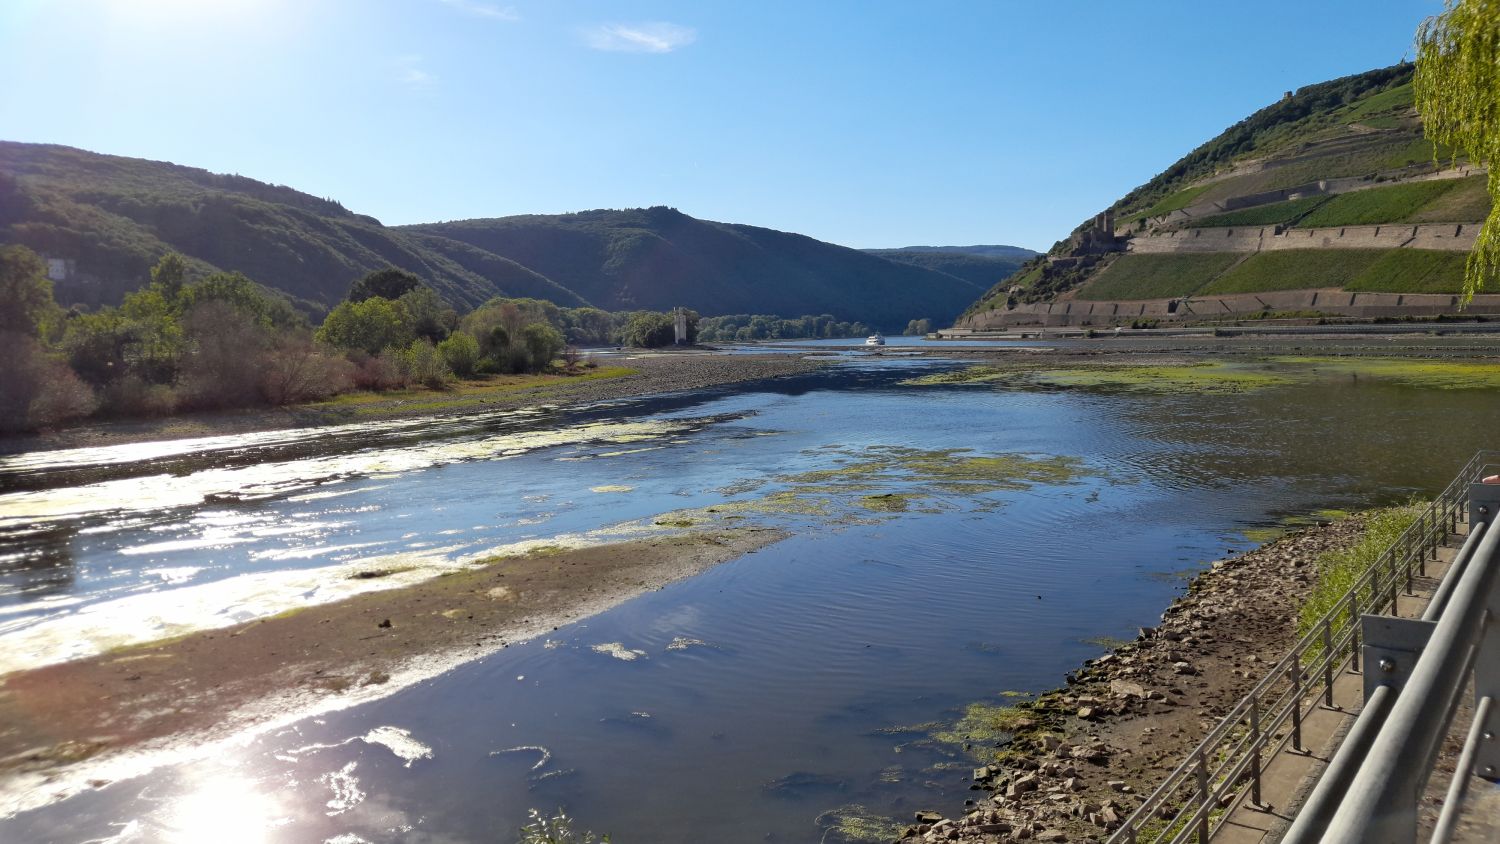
point(648, 373)
point(1073, 763)
point(57, 724)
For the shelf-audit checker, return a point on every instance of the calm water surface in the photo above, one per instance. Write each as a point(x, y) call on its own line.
point(810, 648)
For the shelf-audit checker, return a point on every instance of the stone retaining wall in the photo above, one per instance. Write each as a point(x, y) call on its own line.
point(1330, 301)
point(1448, 237)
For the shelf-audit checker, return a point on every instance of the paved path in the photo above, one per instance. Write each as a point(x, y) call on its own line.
point(1289, 774)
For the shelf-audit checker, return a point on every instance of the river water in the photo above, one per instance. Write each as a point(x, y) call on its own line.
point(742, 705)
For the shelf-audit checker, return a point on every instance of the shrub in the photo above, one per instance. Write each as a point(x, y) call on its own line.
point(134, 396)
point(223, 369)
point(296, 369)
point(63, 397)
point(420, 363)
point(378, 372)
point(461, 352)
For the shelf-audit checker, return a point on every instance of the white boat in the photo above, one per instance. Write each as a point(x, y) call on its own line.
point(875, 340)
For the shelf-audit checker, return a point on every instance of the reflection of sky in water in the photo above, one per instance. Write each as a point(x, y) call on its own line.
point(809, 647)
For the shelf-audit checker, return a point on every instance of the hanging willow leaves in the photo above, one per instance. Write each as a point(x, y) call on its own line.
point(1458, 96)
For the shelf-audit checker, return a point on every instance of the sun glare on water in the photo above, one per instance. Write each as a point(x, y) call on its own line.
point(225, 810)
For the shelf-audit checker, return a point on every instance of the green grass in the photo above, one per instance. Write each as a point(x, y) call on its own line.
point(1176, 201)
point(1338, 570)
point(1155, 276)
point(1376, 205)
point(1397, 101)
point(1413, 271)
point(1264, 215)
point(1295, 269)
point(1468, 201)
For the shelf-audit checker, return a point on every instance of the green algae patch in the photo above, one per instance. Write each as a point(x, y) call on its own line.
point(889, 502)
point(1211, 378)
point(1416, 372)
point(855, 823)
point(986, 724)
point(967, 375)
point(1262, 535)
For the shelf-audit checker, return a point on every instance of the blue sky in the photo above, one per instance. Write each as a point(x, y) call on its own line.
point(862, 123)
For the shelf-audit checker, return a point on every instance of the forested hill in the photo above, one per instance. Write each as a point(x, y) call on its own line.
point(111, 218)
point(114, 217)
point(659, 257)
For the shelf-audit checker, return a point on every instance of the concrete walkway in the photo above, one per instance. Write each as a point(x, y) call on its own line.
point(1289, 775)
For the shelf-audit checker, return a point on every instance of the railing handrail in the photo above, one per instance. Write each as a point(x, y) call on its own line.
point(1191, 813)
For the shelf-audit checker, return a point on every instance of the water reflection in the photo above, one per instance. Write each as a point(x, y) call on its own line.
point(36, 566)
point(773, 688)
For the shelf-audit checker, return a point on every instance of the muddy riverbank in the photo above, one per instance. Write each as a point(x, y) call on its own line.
point(1078, 759)
point(629, 376)
point(197, 689)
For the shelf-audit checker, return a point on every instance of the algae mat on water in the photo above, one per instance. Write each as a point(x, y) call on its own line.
point(1415, 372)
point(1208, 377)
point(885, 481)
point(1229, 376)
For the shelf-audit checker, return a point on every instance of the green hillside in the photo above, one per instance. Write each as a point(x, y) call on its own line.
point(659, 257)
point(1348, 152)
point(1220, 273)
point(114, 217)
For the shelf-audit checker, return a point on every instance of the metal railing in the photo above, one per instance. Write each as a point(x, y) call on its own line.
point(1371, 787)
point(1194, 799)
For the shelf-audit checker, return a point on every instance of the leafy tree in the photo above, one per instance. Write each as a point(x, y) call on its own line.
point(1457, 90)
point(543, 344)
point(461, 351)
point(370, 325)
point(169, 275)
point(648, 330)
point(242, 294)
point(156, 337)
point(25, 292)
point(426, 313)
point(389, 283)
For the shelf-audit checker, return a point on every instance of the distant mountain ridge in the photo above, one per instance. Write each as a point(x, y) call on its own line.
point(981, 265)
point(107, 219)
point(983, 250)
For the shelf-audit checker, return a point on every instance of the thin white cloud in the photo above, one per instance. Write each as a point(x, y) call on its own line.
point(640, 37)
point(409, 72)
point(484, 10)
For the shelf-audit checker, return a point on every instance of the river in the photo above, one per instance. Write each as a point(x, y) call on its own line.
point(742, 705)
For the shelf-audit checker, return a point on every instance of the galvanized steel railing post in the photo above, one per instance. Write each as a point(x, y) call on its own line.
point(1203, 797)
point(1354, 633)
point(1328, 661)
point(1296, 670)
point(1255, 741)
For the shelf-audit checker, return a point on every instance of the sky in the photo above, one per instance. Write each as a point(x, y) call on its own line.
point(861, 122)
